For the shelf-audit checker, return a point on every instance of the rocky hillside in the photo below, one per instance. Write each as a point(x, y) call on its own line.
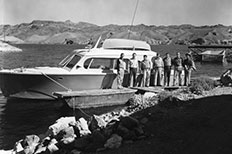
point(51, 32)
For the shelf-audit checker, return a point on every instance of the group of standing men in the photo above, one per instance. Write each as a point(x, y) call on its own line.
point(161, 68)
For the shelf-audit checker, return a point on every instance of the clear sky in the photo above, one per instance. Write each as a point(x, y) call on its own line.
point(103, 12)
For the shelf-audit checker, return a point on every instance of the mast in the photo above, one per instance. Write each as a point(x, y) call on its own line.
point(4, 35)
point(132, 22)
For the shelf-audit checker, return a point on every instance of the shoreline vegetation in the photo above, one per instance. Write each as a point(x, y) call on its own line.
point(197, 119)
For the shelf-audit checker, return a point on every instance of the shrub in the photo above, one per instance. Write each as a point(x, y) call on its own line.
point(167, 99)
point(165, 95)
point(201, 84)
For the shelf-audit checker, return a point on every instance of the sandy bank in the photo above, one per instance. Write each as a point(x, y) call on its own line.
point(4, 47)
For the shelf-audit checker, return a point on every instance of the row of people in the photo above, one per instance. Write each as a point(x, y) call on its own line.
point(161, 68)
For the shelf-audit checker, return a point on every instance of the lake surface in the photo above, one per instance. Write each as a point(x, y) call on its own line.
point(23, 117)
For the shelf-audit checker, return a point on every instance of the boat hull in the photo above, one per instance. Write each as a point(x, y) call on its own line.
point(43, 86)
point(39, 86)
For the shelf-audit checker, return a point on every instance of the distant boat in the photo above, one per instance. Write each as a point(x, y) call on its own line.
point(213, 56)
point(209, 53)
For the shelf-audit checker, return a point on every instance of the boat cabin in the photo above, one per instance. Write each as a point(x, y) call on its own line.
point(105, 58)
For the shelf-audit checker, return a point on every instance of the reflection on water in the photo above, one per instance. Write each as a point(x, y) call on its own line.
point(211, 69)
point(21, 117)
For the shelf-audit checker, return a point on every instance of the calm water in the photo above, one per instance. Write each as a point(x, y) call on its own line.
point(21, 117)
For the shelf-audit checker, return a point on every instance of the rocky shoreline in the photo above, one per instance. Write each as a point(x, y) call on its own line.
point(107, 131)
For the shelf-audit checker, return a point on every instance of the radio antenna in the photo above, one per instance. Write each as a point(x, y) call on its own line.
point(132, 22)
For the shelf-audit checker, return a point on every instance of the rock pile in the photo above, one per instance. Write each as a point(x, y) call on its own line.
point(106, 131)
point(70, 136)
point(139, 102)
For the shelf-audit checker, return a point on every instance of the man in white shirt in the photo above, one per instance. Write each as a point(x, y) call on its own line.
point(158, 65)
point(146, 69)
point(120, 70)
point(133, 70)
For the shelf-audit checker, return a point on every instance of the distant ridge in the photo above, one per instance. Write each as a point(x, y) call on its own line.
point(57, 32)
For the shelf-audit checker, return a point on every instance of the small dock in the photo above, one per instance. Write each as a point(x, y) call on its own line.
point(156, 89)
point(95, 98)
point(105, 97)
point(142, 90)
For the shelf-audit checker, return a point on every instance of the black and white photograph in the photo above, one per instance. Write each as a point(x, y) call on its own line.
point(115, 76)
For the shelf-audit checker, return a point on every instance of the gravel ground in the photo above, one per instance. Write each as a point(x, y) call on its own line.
point(200, 125)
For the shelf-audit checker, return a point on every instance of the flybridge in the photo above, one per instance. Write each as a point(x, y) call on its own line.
point(126, 44)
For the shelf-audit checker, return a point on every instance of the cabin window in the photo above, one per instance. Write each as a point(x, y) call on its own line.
point(75, 59)
point(87, 62)
point(102, 63)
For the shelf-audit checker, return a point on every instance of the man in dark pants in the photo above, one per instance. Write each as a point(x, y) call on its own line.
point(178, 68)
point(158, 65)
point(133, 70)
point(188, 67)
point(146, 69)
point(121, 65)
point(167, 69)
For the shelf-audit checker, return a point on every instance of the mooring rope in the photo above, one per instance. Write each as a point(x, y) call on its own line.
point(84, 112)
point(68, 89)
point(73, 106)
point(74, 111)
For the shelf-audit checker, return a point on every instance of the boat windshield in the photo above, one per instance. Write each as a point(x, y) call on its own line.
point(65, 60)
point(72, 61)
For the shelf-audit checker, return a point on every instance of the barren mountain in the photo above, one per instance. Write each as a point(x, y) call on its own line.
point(52, 32)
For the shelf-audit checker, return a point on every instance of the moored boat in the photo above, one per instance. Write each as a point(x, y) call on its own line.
point(210, 53)
point(213, 56)
point(84, 69)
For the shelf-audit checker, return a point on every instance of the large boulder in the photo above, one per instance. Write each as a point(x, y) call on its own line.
point(82, 128)
point(60, 124)
point(97, 122)
point(111, 127)
point(52, 147)
point(122, 130)
point(66, 136)
point(113, 142)
point(226, 77)
point(82, 143)
point(18, 147)
point(29, 143)
point(97, 141)
point(6, 151)
point(129, 122)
